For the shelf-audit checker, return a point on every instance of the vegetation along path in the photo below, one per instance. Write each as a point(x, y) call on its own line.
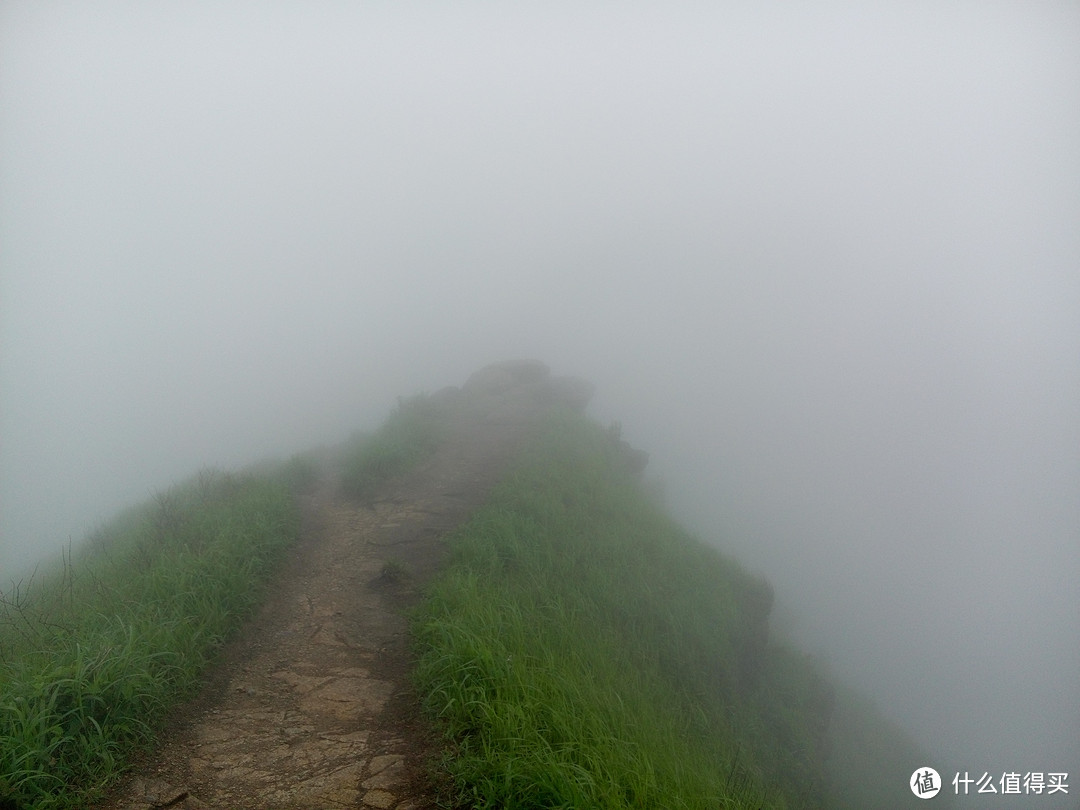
point(311, 706)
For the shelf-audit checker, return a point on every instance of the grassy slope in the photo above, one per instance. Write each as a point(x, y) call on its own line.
point(94, 654)
point(583, 651)
point(411, 432)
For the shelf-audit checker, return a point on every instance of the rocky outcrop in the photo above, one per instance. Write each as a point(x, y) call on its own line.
point(500, 378)
point(516, 388)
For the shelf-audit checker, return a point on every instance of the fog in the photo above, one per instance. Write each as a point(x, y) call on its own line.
point(821, 261)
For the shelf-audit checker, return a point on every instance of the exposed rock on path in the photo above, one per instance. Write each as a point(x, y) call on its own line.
point(311, 706)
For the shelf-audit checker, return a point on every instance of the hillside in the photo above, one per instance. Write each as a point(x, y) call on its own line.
point(482, 605)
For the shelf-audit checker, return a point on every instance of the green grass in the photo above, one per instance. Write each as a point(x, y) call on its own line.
point(583, 651)
point(95, 653)
point(410, 434)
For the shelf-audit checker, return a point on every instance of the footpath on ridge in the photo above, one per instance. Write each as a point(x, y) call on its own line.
point(311, 705)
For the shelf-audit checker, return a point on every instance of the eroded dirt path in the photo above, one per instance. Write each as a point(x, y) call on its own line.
point(311, 706)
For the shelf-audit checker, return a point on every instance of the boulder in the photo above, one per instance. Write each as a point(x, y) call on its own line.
point(573, 392)
point(524, 384)
point(498, 378)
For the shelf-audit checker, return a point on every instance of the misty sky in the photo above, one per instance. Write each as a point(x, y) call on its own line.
point(823, 263)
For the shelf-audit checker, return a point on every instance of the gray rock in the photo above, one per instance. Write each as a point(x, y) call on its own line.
point(573, 392)
point(498, 378)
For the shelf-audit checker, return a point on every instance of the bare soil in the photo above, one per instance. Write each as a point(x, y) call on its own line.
point(311, 706)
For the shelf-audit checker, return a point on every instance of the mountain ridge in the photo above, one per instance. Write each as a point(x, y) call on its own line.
point(502, 482)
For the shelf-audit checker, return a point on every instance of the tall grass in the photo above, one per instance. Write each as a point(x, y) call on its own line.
point(412, 432)
point(94, 654)
point(583, 651)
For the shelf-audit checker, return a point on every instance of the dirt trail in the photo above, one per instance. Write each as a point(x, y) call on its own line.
point(311, 706)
